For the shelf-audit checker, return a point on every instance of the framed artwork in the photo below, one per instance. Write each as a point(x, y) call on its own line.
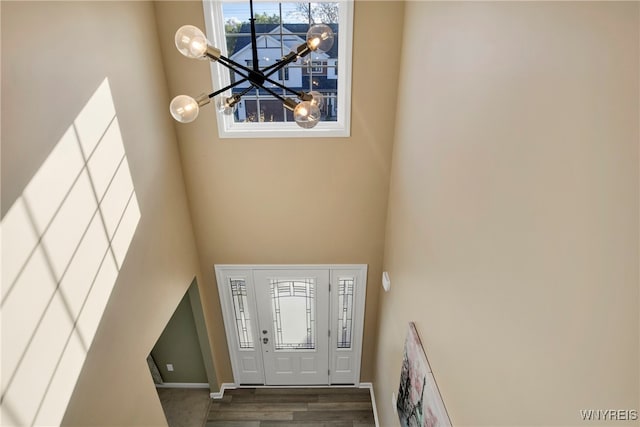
point(419, 402)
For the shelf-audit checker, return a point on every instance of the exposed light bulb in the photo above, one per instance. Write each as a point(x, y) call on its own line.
point(320, 37)
point(317, 98)
point(184, 108)
point(314, 42)
point(191, 42)
point(306, 114)
point(227, 105)
point(197, 46)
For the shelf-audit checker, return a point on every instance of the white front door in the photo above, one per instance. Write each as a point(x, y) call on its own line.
point(293, 310)
point(293, 325)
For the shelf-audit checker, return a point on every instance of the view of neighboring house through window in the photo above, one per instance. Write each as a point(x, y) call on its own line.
point(283, 74)
point(315, 67)
point(280, 28)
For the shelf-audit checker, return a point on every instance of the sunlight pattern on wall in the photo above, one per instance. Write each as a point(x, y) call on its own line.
point(63, 243)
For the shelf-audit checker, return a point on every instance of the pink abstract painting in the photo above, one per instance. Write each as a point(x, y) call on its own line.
point(419, 402)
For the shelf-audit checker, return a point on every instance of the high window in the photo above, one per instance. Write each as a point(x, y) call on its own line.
point(280, 28)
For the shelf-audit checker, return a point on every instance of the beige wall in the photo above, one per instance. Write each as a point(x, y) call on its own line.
point(512, 237)
point(54, 56)
point(291, 200)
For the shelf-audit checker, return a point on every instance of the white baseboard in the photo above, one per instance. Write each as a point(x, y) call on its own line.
point(373, 401)
point(223, 387)
point(182, 385)
point(232, 386)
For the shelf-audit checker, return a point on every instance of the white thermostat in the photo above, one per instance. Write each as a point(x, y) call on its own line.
point(386, 283)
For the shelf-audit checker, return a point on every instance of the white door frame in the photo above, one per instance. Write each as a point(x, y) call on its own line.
point(247, 363)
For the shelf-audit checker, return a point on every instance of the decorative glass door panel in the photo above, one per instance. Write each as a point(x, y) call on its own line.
point(241, 323)
point(345, 311)
point(241, 312)
point(294, 319)
point(347, 314)
point(293, 311)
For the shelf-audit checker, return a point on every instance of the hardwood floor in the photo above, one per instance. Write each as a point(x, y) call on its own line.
point(292, 407)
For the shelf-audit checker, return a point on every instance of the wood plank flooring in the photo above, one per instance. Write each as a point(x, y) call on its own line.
point(292, 407)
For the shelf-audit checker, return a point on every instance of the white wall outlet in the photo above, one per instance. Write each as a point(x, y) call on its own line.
point(170, 367)
point(394, 403)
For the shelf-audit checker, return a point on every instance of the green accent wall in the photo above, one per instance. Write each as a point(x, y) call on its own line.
point(203, 337)
point(179, 345)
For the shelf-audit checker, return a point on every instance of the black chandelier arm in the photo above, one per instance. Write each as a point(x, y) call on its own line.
point(284, 101)
point(254, 42)
point(244, 92)
point(226, 88)
point(286, 60)
point(283, 87)
point(255, 77)
point(267, 70)
point(276, 67)
point(230, 63)
point(269, 67)
point(273, 68)
point(257, 86)
point(300, 51)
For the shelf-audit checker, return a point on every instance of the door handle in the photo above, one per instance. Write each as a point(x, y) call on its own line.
point(265, 340)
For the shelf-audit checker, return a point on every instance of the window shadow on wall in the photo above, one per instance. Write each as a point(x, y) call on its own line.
point(64, 241)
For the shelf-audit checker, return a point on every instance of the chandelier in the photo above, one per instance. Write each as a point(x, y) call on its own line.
point(192, 43)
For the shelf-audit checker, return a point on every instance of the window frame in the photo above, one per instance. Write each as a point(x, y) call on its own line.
point(228, 128)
